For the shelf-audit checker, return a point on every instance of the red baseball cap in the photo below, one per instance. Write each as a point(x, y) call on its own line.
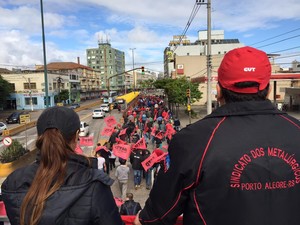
point(242, 65)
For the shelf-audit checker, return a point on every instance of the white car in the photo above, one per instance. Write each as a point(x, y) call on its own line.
point(84, 129)
point(105, 107)
point(98, 113)
point(2, 127)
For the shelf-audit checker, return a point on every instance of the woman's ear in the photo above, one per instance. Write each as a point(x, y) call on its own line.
point(75, 140)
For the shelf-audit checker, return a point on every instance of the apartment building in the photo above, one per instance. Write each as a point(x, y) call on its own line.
point(109, 62)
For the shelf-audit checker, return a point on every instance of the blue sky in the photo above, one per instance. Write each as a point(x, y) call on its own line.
point(72, 26)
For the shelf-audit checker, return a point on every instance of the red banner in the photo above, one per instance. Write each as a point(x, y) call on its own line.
point(149, 162)
point(128, 220)
point(118, 201)
point(78, 150)
point(86, 141)
point(122, 132)
point(119, 141)
point(122, 151)
point(101, 147)
point(160, 135)
point(110, 121)
point(141, 144)
point(107, 131)
point(153, 130)
point(165, 147)
point(166, 117)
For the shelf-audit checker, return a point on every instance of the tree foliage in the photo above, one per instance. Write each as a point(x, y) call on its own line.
point(176, 89)
point(146, 84)
point(62, 96)
point(5, 90)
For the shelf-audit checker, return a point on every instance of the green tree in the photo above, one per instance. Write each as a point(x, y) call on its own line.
point(175, 89)
point(62, 96)
point(5, 90)
point(145, 84)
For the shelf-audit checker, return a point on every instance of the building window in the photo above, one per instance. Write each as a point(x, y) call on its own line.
point(12, 86)
point(34, 101)
point(31, 86)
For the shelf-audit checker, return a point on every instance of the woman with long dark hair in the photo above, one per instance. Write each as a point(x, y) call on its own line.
point(60, 187)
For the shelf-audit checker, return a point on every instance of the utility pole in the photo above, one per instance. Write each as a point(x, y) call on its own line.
point(44, 53)
point(188, 95)
point(133, 72)
point(209, 90)
point(208, 54)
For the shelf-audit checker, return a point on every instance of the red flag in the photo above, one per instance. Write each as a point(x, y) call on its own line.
point(160, 135)
point(149, 162)
point(118, 201)
point(122, 151)
point(86, 141)
point(122, 132)
point(161, 157)
point(166, 117)
point(110, 121)
point(78, 150)
point(107, 131)
point(119, 141)
point(153, 130)
point(165, 147)
point(101, 147)
point(155, 116)
point(141, 144)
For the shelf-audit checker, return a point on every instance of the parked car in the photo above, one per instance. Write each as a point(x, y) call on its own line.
point(105, 100)
point(75, 106)
point(105, 107)
point(14, 117)
point(98, 113)
point(2, 127)
point(84, 129)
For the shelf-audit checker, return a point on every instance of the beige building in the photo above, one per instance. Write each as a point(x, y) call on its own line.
point(81, 81)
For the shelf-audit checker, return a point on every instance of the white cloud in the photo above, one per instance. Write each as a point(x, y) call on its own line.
point(145, 25)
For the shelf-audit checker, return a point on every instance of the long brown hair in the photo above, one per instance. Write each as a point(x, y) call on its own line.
point(54, 153)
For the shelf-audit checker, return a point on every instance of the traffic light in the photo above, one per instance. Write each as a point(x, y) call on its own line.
point(188, 93)
point(143, 69)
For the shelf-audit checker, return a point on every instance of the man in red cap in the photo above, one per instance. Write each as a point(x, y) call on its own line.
point(238, 165)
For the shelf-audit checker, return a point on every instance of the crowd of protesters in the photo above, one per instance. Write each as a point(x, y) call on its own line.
point(148, 127)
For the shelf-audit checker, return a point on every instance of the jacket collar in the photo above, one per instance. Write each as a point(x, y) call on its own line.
point(245, 108)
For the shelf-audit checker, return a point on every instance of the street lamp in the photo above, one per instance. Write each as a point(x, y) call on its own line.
point(134, 74)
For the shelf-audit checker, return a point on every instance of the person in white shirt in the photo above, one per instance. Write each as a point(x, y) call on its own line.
point(101, 161)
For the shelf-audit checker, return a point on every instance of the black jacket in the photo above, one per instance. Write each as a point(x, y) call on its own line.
point(85, 197)
point(130, 207)
point(238, 166)
point(136, 159)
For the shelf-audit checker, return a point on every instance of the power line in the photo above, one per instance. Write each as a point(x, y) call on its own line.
point(285, 50)
point(279, 41)
point(275, 36)
point(190, 20)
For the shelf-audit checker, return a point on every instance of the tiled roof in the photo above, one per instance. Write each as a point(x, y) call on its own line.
point(64, 66)
point(3, 70)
